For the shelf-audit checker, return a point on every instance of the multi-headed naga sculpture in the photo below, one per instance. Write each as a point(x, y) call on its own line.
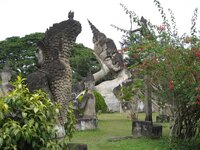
point(54, 73)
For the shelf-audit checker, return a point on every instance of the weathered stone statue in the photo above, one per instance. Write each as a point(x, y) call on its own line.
point(89, 98)
point(87, 120)
point(6, 74)
point(111, 62)
point(54, 73)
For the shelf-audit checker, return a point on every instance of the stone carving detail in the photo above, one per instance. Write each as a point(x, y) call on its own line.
point(106, 53)
point(111, 62)
point(54, 73)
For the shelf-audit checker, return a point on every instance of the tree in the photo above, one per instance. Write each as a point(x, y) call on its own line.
point(139, 37)
point(20, 52)
point(82, 61)
point(173, 64)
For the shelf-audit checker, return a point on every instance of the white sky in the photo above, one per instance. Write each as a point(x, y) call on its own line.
point(22, 17)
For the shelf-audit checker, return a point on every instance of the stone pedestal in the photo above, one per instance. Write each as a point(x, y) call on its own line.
point(146, 129)
point(156, 131)
point(87, 124)
point(141, 128)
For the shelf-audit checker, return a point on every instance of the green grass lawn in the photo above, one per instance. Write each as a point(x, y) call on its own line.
point(117, 125)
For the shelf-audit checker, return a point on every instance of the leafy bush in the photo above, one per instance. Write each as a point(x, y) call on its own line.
point(27, 120)
point(127, 93)
point(170, 65)
point(100, 102)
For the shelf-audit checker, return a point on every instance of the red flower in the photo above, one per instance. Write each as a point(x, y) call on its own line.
point(171, 86)
point(123, 50)
point(161, 28)
point(197, 54)
point(197, 100)
point(197, 88)
point(142, 49)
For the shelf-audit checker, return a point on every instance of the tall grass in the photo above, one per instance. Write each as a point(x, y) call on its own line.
point(118, 125)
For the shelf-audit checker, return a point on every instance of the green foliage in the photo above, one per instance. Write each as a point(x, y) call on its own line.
point(71, 120)
point(20, 52)
point(100, 102)
point(172, 63)
point(82, 61)
point(21, 55)
point(184, 145)
point(27, 120)
point(132, 89)
point(80, 98)
point(127, 93)
point(166, 56)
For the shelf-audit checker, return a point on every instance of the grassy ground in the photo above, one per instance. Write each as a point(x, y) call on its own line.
point(116, 125)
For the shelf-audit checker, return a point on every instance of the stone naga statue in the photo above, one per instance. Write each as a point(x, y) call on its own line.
point(111, 62)
point(54, 74)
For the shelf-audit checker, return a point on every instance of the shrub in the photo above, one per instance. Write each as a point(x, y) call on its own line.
point(27, 120)
point(127, 93)
point(100, 102)
point(170, 65)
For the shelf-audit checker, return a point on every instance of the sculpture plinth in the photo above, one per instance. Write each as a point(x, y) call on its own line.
point(146, 129)
point(87, 123)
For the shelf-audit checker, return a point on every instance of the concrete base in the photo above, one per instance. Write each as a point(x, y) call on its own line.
point(87, 124)
point(141, 128)
point(156, 131)
point(146, 129)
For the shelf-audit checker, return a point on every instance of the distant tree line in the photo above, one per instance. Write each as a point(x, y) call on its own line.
point(20, 52)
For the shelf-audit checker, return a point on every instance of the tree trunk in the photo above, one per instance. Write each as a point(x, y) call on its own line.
point(148, 98)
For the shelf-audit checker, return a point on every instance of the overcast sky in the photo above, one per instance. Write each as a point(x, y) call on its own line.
point(22, 17)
